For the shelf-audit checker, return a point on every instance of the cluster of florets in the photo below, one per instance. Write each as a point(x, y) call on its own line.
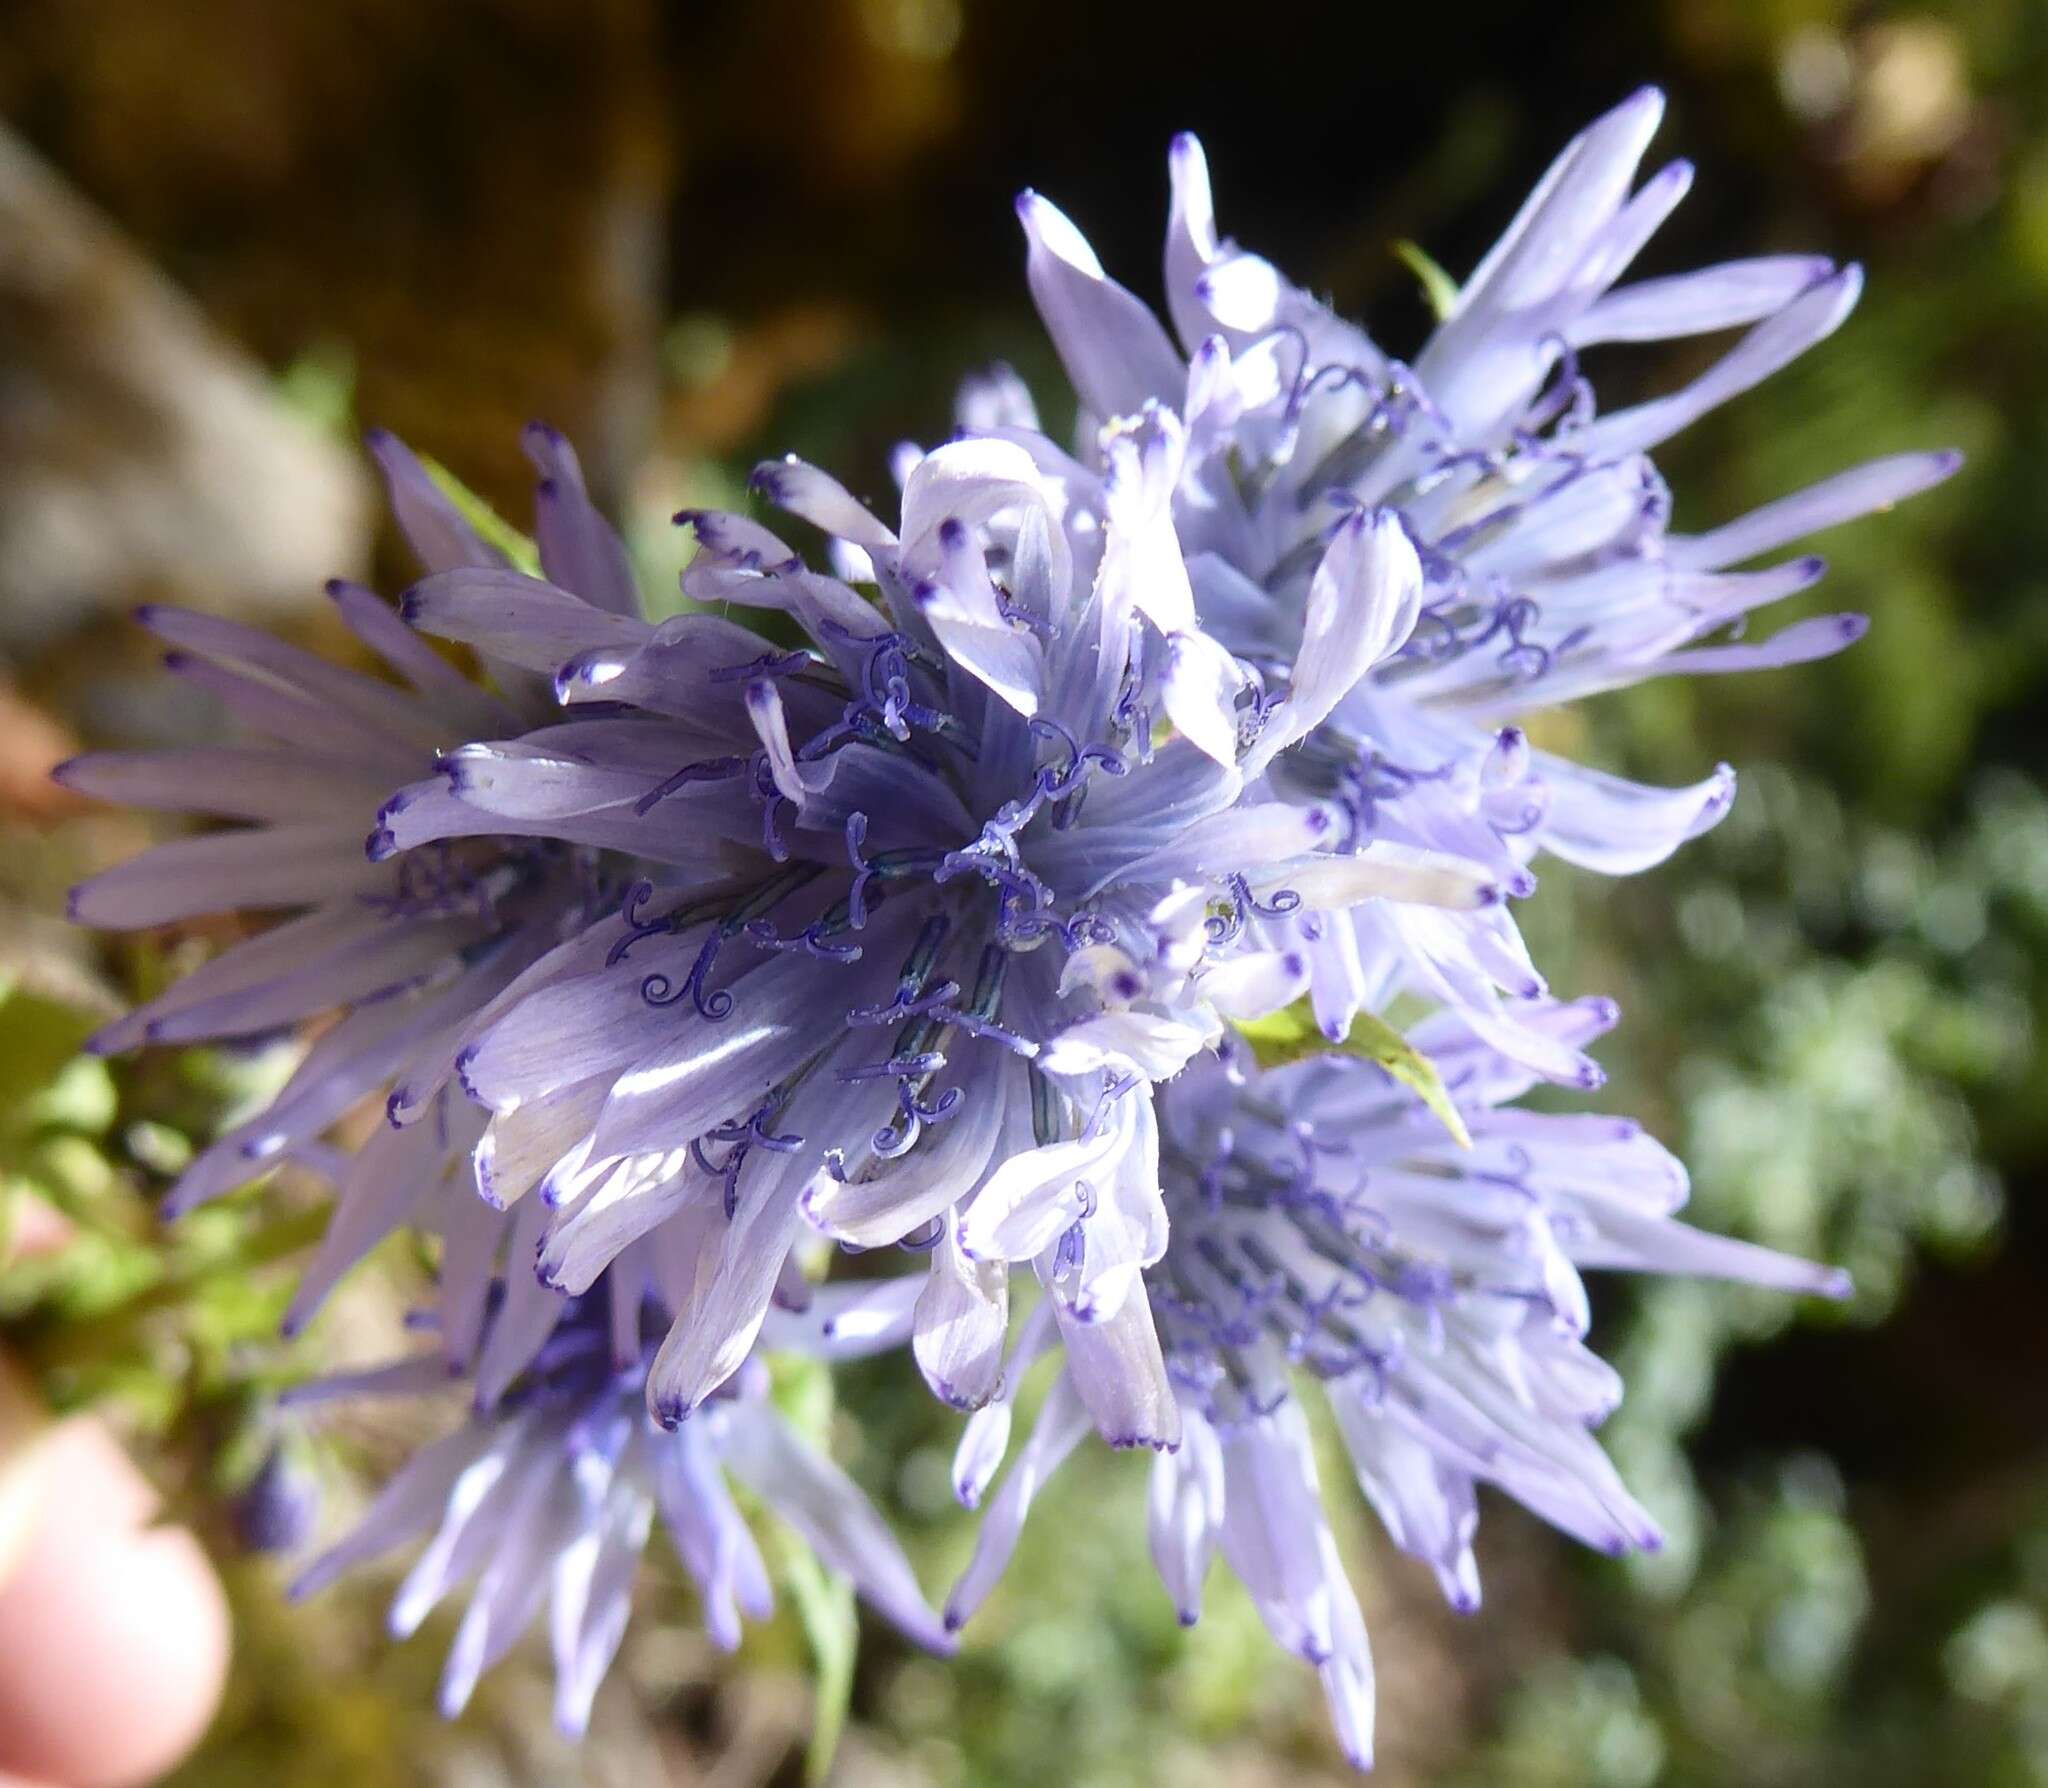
point(913, 904)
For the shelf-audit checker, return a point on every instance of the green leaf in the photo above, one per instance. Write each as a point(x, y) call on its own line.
point(824, 1609)
point(1437, 286)
point(1290, 1035)
point(491, 527)
point(802, 1391)
point(320, 388)
point(38, 1037)
point(81, 1098)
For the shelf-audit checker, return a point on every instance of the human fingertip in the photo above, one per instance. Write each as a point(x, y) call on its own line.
point(114, 1634)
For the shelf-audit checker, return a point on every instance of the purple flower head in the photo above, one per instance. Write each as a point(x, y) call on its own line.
point(1326, 1225)
point(1548, 568)
point(402, 948)
point(942, 874)
point(544, 1497)
point(275, 1511)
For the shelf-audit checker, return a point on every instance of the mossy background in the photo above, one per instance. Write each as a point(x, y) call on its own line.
point(695, 234)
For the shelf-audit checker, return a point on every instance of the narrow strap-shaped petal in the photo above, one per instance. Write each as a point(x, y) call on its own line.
point(629, 1200)
point(1062, 1421)
point(528, 1314)
point(828, 1509)
point(994, 398)
point(820, 499)
point(706, 1071)
point(1875, 485)
point(228, 781)
point(579, 550)
point(1112, 345)
point(521, 1144)
point(1184, 1516)
point(517, 618)
point(407, 1506)
point(1200, 690)
point(1116, 1366)
point(1427, 1507)
point(1383, 870)
point(465, 706)
point(1631, 1241)
point(1774, 343)
point(387, 1178)
point(374, 967)
point(1362, 605)
point(962, 1315)
point(709, 1533)
point(886, 1200)
point(1618, 827)
point(588, 1628)
point(258, 869)
point(960, 604)
point(272, 711)
point(717, 1321)
point(1578, 195)
point(379, 708)
point(1728, 296)
point(847, 1320)
point(431, 524)
point(1190, 238)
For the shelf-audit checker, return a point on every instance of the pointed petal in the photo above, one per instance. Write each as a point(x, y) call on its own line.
point(1113, 347)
